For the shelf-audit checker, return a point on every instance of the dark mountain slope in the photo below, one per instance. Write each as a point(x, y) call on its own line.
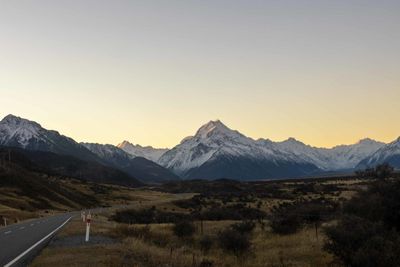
point(23, 187)
point(69, 166)
point(145, 170)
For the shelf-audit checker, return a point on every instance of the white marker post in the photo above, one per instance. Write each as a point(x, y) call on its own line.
point(5, 221)
point(88, 218)
point(83, 216)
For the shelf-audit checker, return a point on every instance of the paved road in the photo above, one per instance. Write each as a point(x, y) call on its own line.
point(20, 242)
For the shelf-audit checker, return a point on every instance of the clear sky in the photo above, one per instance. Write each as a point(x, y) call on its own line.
point(324, 72)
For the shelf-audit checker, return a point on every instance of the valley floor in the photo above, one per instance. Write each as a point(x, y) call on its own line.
point(155, 245)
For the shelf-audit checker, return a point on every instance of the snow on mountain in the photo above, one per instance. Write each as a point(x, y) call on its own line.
point(214, 141)
point(110, 153)
point(215, 151)
point(146, 152)
point(18, 131)
point(337, 158)
point(348, 156)
point(389, 153)
point(143, 169)
point(26, 134)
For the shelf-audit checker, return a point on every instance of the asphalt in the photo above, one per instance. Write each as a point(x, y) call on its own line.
point(19, 243)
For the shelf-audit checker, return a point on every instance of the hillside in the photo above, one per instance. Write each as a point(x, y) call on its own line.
point(68, 166)
point(24, 191)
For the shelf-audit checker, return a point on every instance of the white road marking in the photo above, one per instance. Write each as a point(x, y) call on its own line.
point(36, 244)
point(32, 224)
point(8, 232)
point(22, 228)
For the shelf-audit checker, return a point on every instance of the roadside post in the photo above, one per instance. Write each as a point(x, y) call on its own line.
point(5, 221)
point(83, 216)
point(88, 218)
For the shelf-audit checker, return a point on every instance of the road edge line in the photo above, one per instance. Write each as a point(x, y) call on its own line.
point(36, 244)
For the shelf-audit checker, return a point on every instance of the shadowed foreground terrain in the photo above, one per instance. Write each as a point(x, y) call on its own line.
point(221, 223)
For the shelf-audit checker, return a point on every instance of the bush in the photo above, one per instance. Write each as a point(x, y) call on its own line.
point(244, 227)
point(285, 224)
point(289, 218)
point(358, 242)
point(147, 216)
point(230, 212)
point(205, 243)
point(381, 172)
point(234, 242)
point(206, 263)
point(184, 229)
point(134, 231)
point(368, 233)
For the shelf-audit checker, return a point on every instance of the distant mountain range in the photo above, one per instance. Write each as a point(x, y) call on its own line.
point(144, 169)
point(147, 152)
point(31, 136)
point(214, 152)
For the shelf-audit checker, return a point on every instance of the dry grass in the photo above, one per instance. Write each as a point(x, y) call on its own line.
point(156, 246)
point(161, 248)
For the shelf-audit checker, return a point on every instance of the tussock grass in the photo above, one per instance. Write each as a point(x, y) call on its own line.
point(155, 245)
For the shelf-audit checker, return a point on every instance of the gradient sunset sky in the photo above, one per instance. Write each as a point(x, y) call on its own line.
point(152, 72)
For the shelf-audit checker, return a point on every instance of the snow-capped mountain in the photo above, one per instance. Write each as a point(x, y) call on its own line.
point(219, 152)
point(146, 152)
point(341, 157)
point(26, 134)
point(112, 154)
point(389, 153)
point(216, 151)
point(145, 170)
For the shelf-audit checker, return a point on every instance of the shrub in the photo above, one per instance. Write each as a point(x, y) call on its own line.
point(285, 224)
point(144, 216)
point(381, 172)
point(134, 231)
point(244, 227)
point(230, 212)
point(184, 229)
point(234, 242)
point(205, 243)
point(368, 233)
point(206, 263)
point(358, 242)
point(147, 216)
point(289, 218)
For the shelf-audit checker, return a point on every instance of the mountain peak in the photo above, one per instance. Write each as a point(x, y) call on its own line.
point(124, 143)
point(292, 140)
point(215, 123)
point(137, 150)
point(367, 141)
point(12, 124)
point(12, 118)
point(395, 142)
point(212, 127)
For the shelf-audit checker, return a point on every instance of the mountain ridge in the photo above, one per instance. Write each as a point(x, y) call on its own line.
point(145, 170)
point(137, 150)
point(215, 138)
point(215, 151)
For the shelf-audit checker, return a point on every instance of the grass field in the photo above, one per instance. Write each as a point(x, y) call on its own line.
point(155, 245)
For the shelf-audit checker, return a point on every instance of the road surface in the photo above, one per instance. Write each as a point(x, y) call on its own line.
point(20, 242)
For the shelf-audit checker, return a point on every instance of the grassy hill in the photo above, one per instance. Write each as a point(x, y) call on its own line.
point(67, 166)
point(32, 183)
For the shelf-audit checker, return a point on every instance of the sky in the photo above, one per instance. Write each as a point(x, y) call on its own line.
point(152, 72)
